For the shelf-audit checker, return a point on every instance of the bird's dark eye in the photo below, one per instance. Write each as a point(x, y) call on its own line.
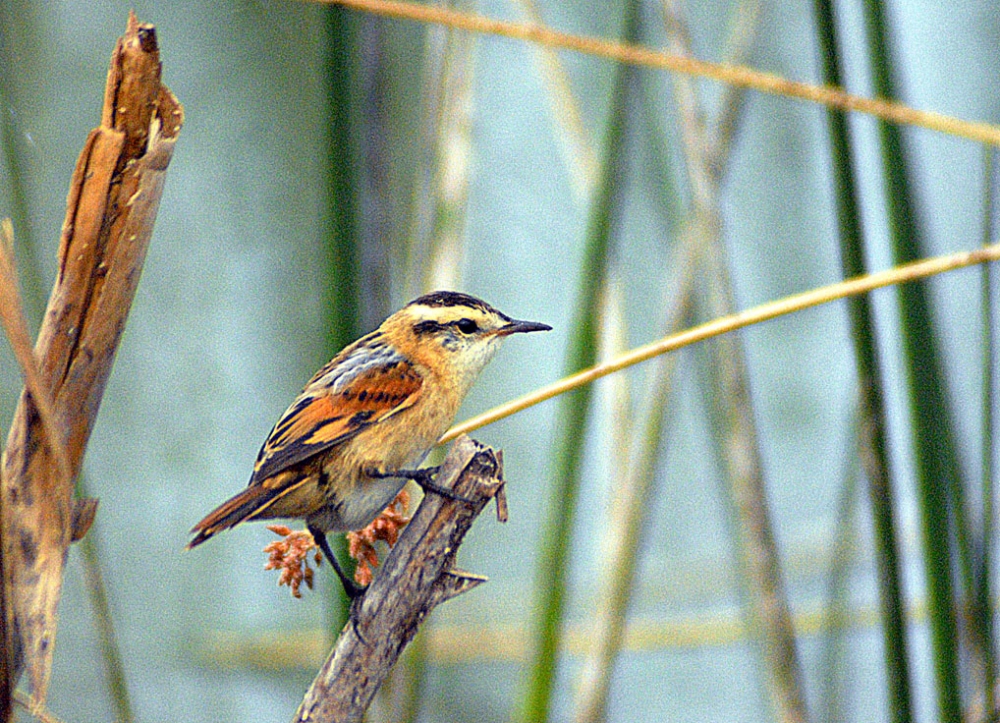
point(467, 326)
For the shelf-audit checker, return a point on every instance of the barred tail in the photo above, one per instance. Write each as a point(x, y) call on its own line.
point(232, 512)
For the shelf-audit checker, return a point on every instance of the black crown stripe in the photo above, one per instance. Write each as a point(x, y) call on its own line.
point(452, 298)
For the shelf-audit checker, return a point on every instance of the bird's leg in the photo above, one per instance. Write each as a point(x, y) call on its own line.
point(352, 588)
point(423, 477)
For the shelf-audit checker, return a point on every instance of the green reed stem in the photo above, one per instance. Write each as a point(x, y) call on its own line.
point(341, 226)
point(574, 410)
point(934, 447)
point(872, 419)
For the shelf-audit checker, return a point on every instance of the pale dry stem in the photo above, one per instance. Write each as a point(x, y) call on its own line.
point(741, 319)
point(736, 75)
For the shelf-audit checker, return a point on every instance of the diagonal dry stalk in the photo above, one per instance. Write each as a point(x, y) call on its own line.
point(41, 714)
point(864, 284)
point(633, 486)
point(16, 327)
point(575, 143)
point(114, 195)
point(732, 409)
point(636, 473)
point(735, 75)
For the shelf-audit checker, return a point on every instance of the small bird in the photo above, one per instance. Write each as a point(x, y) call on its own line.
point(364, 423)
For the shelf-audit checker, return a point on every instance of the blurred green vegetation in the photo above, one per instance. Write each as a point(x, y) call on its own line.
point(335, 164)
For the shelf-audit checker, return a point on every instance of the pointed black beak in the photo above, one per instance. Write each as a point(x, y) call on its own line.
point(517, 326)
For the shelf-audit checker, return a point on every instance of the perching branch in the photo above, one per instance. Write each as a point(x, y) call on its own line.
point(112, 203)
point(417, 577)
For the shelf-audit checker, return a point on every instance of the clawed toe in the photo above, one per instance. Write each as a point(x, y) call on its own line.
point(423, 477)
point(353, 590)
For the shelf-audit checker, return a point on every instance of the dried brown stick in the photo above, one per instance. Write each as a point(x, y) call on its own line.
point(16, 327)
point(416, 577)
point(113, 198)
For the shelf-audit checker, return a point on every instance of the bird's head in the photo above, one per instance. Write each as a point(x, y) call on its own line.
point(453, 334)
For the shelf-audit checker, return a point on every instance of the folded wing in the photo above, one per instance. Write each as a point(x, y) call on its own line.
point(346, 397)
point(336, 405)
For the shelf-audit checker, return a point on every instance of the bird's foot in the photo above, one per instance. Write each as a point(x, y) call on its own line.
point(424, 477)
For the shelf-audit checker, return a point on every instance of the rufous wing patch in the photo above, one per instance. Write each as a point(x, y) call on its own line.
point(321, 418)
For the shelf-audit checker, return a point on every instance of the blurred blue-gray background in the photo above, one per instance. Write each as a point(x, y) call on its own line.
point(467, 175)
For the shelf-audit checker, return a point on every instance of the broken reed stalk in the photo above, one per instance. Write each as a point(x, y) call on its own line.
point(416, 577)
point(112, 203)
